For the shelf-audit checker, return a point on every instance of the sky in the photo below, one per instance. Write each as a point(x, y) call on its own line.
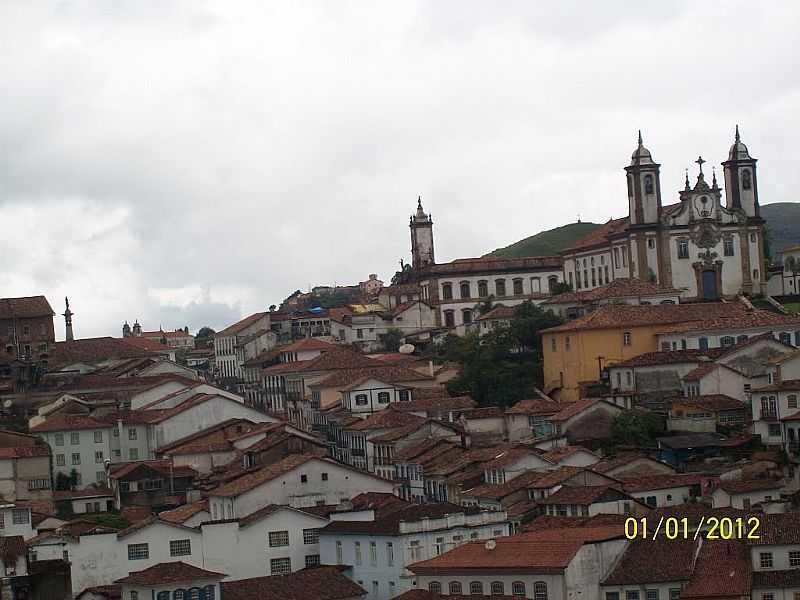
point(188, 163)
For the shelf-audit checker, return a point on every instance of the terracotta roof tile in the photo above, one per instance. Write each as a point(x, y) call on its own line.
point(241, 325)
point(563, 452)
point(722, 570)
point(62, 422)
point(389, 523)
point(307, 344)
point(535, 406)
point(169, 572)
point(38, 450)
point(350, 378)
point(584, 495)
point(253, 479)
point(321, 583)
point(441, 403)
point(495, 265)
point(91, 350)
point(216, 438)
point(743, 486)
point(498, 312)
point(184, 513)
point(654, 561)
point(669, 357)
point(386, 419)
point(25, 308)
point(599, 236)
point(712, 402)
point(661, 481)
point(618, 288)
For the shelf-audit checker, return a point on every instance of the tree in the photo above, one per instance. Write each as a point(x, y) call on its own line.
point(485, 306)
point(636, 428)
point(392, 339)
point(504, 365)
point(561, 287)
point(204, 337)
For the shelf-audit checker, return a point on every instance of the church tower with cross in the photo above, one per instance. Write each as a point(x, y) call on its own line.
point(644, 186)
point(421, 226)
point(741, 184)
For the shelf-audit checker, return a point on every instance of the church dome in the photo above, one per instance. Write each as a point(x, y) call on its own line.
point(738, 150)
point(641, 156)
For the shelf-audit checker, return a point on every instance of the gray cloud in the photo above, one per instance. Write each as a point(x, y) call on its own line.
point(185, 164)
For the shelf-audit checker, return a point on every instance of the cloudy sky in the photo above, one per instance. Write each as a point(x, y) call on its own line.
point(185, 163)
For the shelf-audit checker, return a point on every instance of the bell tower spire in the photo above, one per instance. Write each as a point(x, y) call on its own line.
point(741, 186)
point(421, 226)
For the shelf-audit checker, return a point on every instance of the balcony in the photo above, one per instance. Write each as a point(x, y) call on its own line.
point(770, 415)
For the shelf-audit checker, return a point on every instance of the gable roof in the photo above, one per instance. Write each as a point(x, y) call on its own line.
point(321, 583)
point(386, 419)
point(240, 325)
point(622, 287)
point(25, 308)
point(600, 236)
point(66, 422)
point(169, 572)
point(216, 438)
point(184, 512)
point(712, 402)
point(654, 561)
point(91, 350)
point(346, 379)
point(253, 479)
point(306, 344)
point(723, 569)
point(389, 522)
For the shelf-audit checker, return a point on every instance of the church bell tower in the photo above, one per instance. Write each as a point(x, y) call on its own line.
point(644, 187)
point(741, 189)
point(421, 226)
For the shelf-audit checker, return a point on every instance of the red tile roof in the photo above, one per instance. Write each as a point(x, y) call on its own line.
point(240, 325)
point(654, 561)
point(164, 466)
point(779, 529)
point(669, 357)
point(722, 570)
point(585, 495)
point(712, 402)
point(535, 406)
point(307, 344)
point(494, 265)
point(563, 452)
point(599, 236)
point(441, 403)
point(169, 572)
point(498, 312)
point(386, 419)
point(618, 288)
point(661, 481)
point(183, 513)
point(389, 522)
point(39, 450)
point(351, 378)
point(62, 422)
point(253, 479)
point(321, 583)
point(91, 350)
point(743, 486)
point(25, 308)
point(216, 438)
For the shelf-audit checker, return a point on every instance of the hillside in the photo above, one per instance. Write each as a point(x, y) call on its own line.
point(783, 222)
point(546, 243)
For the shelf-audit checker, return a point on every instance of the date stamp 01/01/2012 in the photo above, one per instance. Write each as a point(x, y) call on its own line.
point(710, 528)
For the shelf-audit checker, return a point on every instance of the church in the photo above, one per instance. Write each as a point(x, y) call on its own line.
point(698, 245)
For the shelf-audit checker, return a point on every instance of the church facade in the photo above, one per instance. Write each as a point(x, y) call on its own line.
point(700, 245)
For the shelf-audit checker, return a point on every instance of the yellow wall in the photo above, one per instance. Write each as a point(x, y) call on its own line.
point(580, 363)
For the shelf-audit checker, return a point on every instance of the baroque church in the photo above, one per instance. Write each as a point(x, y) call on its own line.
point(699, 245)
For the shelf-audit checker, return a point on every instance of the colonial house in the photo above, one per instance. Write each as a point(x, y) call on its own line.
point(631, 464)
point(665, 490)
point(168, 580)
point(774, 557)
point(157, 484)
point(229, 345)
point(324, 583)
point(554, 563)
point(380, 546)
point(707, 413)
point(24, 467)
point(580, 420)
point(745, 494)
point(591, 500)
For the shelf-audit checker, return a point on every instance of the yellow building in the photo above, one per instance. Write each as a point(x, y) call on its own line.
point(577, 351)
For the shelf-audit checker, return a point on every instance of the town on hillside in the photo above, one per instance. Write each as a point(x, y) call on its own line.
point(616, 422)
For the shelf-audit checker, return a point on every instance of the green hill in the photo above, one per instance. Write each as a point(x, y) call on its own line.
point(547, 243)
point(783, 223)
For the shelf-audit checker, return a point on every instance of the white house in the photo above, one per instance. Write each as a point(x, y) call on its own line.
point(165, 581)
point(380, 547)
point(744, 494)
point(298, 480)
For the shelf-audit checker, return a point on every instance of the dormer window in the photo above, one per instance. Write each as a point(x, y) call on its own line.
point(648, 184)
point(747, 180)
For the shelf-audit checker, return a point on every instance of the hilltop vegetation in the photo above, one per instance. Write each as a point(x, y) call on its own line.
point(546, 243)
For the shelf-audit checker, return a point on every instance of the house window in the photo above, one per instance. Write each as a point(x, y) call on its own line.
point(794, 558)
point(358, 553)
point(76, 458)
point(361, 399)
point(449, 318)
point(278, 538)
point(651, 243)
point(785, 337)
point(133, 453)
point(133, 595)
point(434, 587)
point(755, 274)
point(517, 283)
point(553, 343)
point(540, 590)
point(75, 438)
point(747, 181)
point(500, 287)
point(138, 551)
point(455, 587)
point(280, 566)
point(765, 560)
point(566, 343)
point(383, 397)
point(464, 288)
point(466, 316)
point(180, 547)
point(403, 395)
point(476, 588)
point(60, 460)
point(740, 339)
point(132, 434)
point(389, 553)
point(483, 289)
point(651, 594)
point(632, 595)
point(626, 338)
point(703, 343)
point(373, 554)
point(98, 437)
point(727, 245)
point(324, 477)
point(311, 536)
point(59, 439)
point(339, 557)
point(674, 593)
point(792, 399)
point(497, 588)
point(447, 291)
point(20, 516)
point(683, 248)
point(98, 456)
point(518, 588)
point(312, 560)
point(303, 478)
point(726, 341)
point(612, 595)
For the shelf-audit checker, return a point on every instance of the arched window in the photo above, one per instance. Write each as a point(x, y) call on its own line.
point(447, 291)
point(465, 291)
point(466, 316)
point(162, 596)
point(483, 289)
point(498, 589)
point(476, 588)
point(517, 287)
point(500, 288)
point(195, 593)
point(435, 587)
point(383, 397)
point(518, 588)
point(179, 595)
point(648, 184)
point(747, 180)
point(540, 590)
point(455, 587)
point(449, 318)
point(727, 340)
